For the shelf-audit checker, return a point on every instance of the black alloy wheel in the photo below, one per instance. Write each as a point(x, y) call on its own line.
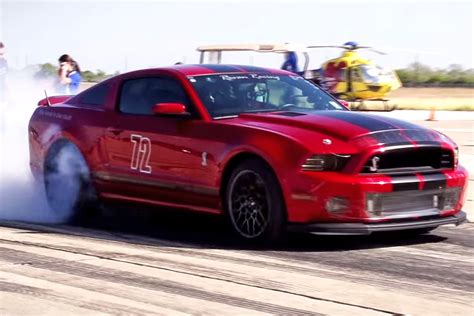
point(254, 202)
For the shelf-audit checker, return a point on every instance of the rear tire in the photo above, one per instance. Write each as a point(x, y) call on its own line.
point(254, 203)
point(67, 183)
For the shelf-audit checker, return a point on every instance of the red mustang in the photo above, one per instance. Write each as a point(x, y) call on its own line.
point(266, 148)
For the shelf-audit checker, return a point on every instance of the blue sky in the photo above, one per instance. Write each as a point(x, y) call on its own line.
point(127, 35)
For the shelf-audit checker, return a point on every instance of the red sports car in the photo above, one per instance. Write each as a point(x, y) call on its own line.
point(264, 147)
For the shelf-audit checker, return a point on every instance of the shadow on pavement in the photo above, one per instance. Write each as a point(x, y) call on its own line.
point(190, 230)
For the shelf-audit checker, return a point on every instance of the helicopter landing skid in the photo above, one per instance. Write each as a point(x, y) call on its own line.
point(361, 105)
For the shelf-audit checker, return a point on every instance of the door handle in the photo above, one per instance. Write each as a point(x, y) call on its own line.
point(114, 130)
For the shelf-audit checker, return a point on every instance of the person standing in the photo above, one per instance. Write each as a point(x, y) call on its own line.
point(291, 62)
point(3, 73)
point(69, 75)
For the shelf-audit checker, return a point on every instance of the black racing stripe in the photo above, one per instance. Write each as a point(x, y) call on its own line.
point(222, 68)
point(405, 183)
point(397, 122)
point(434, 181)
point(394, 131)
point(391, 138)
point(368, 122)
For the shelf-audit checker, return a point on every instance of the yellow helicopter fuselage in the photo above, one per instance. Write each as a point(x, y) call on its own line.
point(351, 77)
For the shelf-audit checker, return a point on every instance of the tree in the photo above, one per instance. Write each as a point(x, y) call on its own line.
point(417, 73)
point(88, 75)
point(47, 70)
point(50, 71)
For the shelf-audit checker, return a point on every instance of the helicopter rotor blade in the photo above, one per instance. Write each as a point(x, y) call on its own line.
point(348, 48)
point(371, 49)
point(376, 51)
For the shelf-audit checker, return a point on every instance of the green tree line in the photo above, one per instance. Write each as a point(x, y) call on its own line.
point(415, 74)
point(49, 70)
point(419, 74)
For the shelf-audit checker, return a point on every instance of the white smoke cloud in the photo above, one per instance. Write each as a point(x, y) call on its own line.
point(21, 197)
point(66, 181)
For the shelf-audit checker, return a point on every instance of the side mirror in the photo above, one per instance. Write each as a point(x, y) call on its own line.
point(170, 109)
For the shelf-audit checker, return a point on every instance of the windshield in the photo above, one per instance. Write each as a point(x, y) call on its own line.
point(232, 94)
point(376, 74)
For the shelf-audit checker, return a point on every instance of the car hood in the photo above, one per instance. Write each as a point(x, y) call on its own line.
point(344, 125)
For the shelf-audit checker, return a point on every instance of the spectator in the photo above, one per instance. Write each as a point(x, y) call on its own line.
point(3, 73)
point(291, 62)
point(69, 75)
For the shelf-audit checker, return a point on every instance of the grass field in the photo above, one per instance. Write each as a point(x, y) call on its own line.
point(460, 99)
point(454, 99)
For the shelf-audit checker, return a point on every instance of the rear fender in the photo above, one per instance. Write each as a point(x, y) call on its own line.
point(54, 143)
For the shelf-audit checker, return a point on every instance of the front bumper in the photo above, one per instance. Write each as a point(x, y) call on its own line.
point(375, 198)
point(367, 229)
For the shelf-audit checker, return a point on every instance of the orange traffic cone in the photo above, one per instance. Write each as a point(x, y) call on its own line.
point(432, 114)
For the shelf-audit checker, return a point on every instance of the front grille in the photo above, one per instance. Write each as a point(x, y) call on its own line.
point(416, 203)
point(405, 160)
point(446, 159)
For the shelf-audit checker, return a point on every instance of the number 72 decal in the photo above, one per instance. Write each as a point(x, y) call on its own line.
point(141, 153)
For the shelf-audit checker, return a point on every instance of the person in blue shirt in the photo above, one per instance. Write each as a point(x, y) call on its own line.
point(69, 75)
point(291, 62)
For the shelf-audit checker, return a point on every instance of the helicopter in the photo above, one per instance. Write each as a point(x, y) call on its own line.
point(355, 79)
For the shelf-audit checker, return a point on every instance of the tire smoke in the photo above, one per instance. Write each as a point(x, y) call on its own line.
point(66, 176)
point(21, 197)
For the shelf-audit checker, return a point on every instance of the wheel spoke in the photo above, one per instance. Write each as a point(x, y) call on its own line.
point(238, 216)
point(253, 224)
point(248, 226)
point(249, 204)
point(259, 214)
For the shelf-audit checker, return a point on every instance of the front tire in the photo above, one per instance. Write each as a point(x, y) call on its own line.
point(67, 183)
point(254, 203)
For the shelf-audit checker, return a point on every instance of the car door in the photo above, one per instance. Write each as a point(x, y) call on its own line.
point(157, 158)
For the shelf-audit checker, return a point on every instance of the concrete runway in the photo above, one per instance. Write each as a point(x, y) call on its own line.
point(180, 263)
point(196, 269)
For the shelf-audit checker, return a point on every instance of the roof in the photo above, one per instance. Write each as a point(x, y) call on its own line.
point(206, 69)
point(261, 48)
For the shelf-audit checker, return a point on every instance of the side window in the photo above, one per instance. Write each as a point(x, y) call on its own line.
point(95, 96)
point(356, 75)
point(138, 96)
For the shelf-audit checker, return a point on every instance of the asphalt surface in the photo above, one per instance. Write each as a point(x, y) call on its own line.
point(126, 262)
point(194, 267)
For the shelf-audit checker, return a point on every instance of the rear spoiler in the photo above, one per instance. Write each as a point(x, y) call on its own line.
point(48, 101)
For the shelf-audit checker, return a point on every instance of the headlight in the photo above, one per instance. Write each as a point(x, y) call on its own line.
point(328, 162)
point(456, 156)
